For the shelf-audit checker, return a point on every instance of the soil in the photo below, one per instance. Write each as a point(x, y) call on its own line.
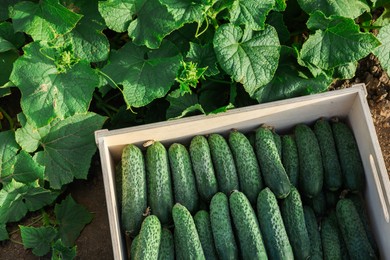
point(95, 242)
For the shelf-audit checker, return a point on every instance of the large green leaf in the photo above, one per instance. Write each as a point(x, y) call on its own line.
point(339, 43)
point(9, 40)
point(6, 62)
point(5, 4)
point(145, 74)
point(117, 13)
point(186, 11)
point(28, 136)
point(53, 83)
point(182, 105)
point(71, 218)
point(383, 51)
point(346, 8)
point(204, 57)
point(38, 238)
point(44, 20)
point(8, 151)
point(252, 61)
point(68, 148)
point(61, 252)
point(251, 13)
point(3, 232)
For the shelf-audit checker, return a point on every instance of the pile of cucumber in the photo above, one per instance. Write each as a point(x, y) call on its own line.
point(257, 195)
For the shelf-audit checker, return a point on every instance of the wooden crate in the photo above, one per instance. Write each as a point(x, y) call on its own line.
point(349, 104)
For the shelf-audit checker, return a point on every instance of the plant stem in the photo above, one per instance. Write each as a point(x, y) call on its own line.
point(16, 242)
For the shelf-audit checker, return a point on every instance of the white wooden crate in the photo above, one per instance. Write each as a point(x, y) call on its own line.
point(350, 104)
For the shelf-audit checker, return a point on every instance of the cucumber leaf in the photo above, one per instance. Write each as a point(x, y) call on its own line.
point(182, 105)
point(3, 232)
point(347, 8)
point(251, 13)
point(8, 150)
point(6, 64)
point(204, 57)
point(346, 71)
point(9, 40)
point(383, 51)
point(60, 251)
point(38, 238)
point(186, 11)
point(117, 13)
point(252, 61)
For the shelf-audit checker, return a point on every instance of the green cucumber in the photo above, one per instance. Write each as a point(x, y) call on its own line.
point(185, 230)
point(290, 158)
point(203, 226)
point(272, 227)
point(350, 160)
point(248, 169)
point(225, 169)
point(294, 221)
point(278, 142)
point(160, 194)
point(331, 198)
point(352, 230)
point(184, 184)
point(203, 168)
point(311, 175)
point(333, 178)
point(331, 237)
point(314, 233)
point(222, 228)
point(132, 189)
point(318, 204)
point(247, 227)
point(167, 249)
point(274, 174)
point(133, 247)
point(149, 239)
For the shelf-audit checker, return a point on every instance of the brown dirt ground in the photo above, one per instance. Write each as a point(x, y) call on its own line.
point(95, 242)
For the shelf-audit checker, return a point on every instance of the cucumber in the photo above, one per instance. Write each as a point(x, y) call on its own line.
point(278, 142)
point(331, 237)
point(202, 164)
point(149, 239)
point(333, 178)
point(314, 233)
point(294, 221)
point(247, 227)
point(160, 194)
point(311, 176)
point(185, 230)
point(274, 174)
point(222, 228)
point(332, 197)
point(178, 248)
point(248, 169)
point(203, 226)
point(350, 160)
point(290, 158)
point(184, 184)
point(225, 169)
point(132, 189)
point(272, 227)
point(352, 230)
point(133, 247)
point(167, 249)
point(318, 204)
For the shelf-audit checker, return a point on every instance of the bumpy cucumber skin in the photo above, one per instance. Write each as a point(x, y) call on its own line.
point(248, 169)
point(184, 184)
point(149, 239)
point(222, 227)
point(167, 249)
point(272, 226)
point(274, 174)
point(203, 226)
point(133, 247)
point(225, 169)
point(333, 178)
point(278, 143)
point(353, 231)
point(294, 221)
point(311, 175)
point(160, 194)
point(132, 188)
point(185, 230)
point(247, 227)
point(203, 168)
point(350, 160)
point(331, 237)
point(314, 233)
point(290, 158)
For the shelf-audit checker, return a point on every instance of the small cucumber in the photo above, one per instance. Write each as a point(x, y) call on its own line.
point(274, 174)
point(167, 249)
point(203, 168)
point(184, 184)
point(311, 175)
point(314, 233)
point(132, 189)
point(248, 168)
point(222, 228)
point(353, 231)
point(185, 230)
point(294, 221)
point(225, 169)
point(272, 226)
point(350, 160)
point(149, 239)
point(331, 237)
point(203, 226)
point(160, 194)
point(290, 158)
